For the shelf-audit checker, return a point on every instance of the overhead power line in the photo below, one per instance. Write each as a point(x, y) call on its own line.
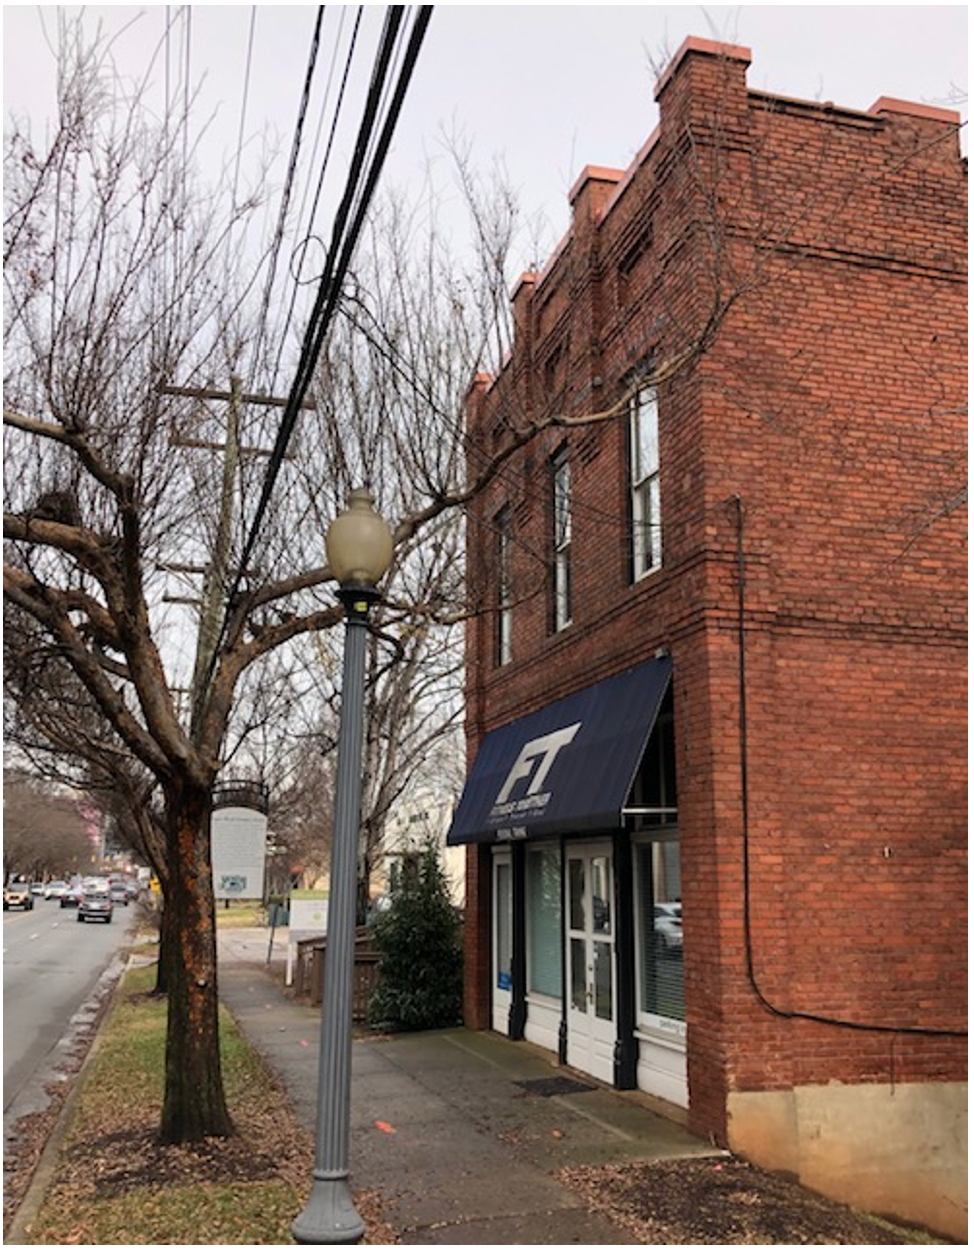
point(302, 246)
point(360, 186)
point(245, 96)
point(289, 182)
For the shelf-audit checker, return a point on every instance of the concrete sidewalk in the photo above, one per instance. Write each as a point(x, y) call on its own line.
point(458, 1150)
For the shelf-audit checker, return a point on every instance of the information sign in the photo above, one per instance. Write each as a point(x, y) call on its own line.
point(239, 848)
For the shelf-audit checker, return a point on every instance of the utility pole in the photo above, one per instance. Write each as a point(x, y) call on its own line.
point(215, 580)
point(216, 574)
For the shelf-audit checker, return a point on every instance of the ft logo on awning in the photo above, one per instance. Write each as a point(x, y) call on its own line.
point(534, 760)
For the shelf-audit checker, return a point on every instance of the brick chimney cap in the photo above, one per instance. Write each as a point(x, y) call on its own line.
point(480, 382)
point(886, 104)
point(528, 278)
point(594, 173)
point(707, 47)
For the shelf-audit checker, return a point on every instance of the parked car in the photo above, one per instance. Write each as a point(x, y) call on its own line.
point(72, 896)
point(668, 924)
point(95, 905)
point(133, 890)
point(54, 889)
point(17, 894)
point(119, 894)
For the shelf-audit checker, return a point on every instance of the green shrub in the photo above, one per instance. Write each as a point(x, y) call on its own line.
point(421, 952)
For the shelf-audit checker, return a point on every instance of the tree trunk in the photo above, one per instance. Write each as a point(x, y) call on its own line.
point(362, 891)
point(195, 1106)
point(168, 949)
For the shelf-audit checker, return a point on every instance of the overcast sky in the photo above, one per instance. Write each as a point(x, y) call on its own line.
point(545, 89)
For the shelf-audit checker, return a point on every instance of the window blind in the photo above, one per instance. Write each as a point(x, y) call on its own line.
point(544, 921)
point(660, 917)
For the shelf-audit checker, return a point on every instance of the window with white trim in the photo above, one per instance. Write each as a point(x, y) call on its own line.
point(505, 612)
point(647, 532)
point(658, 890)
point(659, 917)
point(561, 498)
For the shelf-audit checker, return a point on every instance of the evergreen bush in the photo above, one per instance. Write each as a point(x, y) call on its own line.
point(421, 952)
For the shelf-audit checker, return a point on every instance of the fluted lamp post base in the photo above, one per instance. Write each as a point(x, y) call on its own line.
point(359, 545)
point(329, 1218)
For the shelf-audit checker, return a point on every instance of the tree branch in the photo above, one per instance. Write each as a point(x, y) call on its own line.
point(290, 586)
point(41, 605)
point(119, 484)
point(74, 540)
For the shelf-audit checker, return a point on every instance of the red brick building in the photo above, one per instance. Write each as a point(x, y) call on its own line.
point(715, 813)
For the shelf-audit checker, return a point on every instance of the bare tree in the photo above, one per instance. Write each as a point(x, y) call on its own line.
point(43, 831)
point(302, 807)
point(59, 729)
point(115, 279)
point(118, 279)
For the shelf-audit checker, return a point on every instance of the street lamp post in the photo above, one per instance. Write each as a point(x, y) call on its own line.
point(359, 546)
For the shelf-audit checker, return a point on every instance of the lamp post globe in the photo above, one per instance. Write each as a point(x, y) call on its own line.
point(359, 542)
point(359, 549)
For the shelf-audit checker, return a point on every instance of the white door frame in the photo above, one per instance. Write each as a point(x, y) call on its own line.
point(502, 915)
point(591, 993)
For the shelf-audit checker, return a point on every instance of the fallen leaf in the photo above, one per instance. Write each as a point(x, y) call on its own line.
point(383, 1127)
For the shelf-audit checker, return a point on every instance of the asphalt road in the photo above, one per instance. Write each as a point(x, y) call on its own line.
point(50, 965)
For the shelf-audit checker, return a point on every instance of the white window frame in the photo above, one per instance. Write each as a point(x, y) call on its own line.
point(505, 611)
point(651, 1023)
point(656, 789)
point(562, 536)
point(647, 533)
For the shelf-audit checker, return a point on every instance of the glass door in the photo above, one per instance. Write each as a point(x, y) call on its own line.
point(591, 960)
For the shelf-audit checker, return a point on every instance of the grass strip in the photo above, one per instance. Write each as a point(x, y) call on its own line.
point(241, 915)
point(117, 1185)
point(254, 1213)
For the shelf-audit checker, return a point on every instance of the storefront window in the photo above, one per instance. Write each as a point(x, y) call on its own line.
point(660, 914)
point(544, 921)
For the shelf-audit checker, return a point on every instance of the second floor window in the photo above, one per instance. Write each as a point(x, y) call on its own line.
point(647, 533)
point(562, 513)
point(504, 598)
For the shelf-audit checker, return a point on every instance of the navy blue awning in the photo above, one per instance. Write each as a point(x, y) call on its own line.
point(567, 768)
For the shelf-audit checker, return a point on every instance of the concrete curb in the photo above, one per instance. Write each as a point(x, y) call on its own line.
point(102, 1003)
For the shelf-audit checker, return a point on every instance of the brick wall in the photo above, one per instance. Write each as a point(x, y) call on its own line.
point(805, 266)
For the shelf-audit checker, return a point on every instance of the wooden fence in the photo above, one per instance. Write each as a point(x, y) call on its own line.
point(309, 972)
